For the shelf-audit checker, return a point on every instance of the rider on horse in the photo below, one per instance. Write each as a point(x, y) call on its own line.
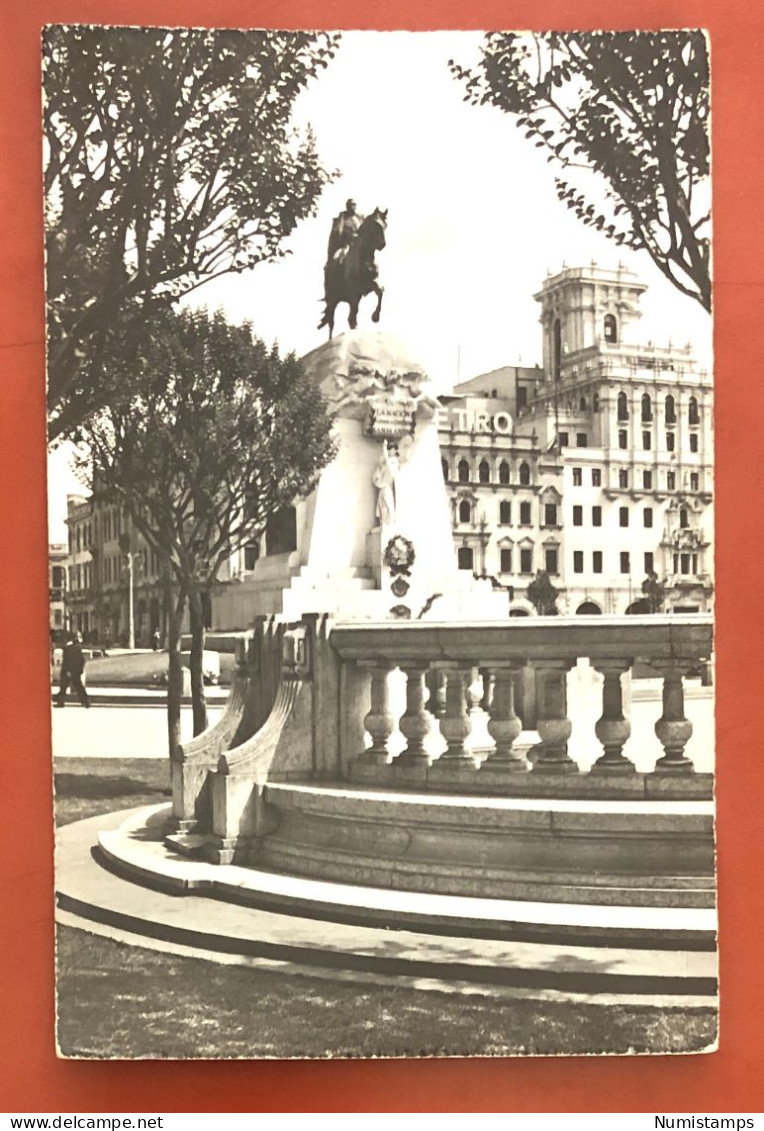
point(350, 271)
point(344, 229)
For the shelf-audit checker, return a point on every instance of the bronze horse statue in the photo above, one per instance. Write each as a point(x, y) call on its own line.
point(350, 276)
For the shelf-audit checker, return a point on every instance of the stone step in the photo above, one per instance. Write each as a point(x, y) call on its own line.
point(95, 898)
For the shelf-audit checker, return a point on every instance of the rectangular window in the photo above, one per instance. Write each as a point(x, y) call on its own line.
point(506, 560)
point(578, 561)
point(578, 516)
point(525, 514)
point(563, 439)
point(647, 441)
point(649, 562)
point(550, 514)
point(625, 567)
point(676, 563)
point(596, 516)
point(671, 480)
point(522, 396)
point(623, 516)
point(596, 477)
point(647, 480)
point(577, 480)
point(550, 561)
point(694, 442)
point(597, 561)
point(647, 516)
point(526, 561)
point(694, 481)
point(623, 478)
point(685, 563)
point(582, 440)
point(695, 563)
point(670, 441)
point(623, 439)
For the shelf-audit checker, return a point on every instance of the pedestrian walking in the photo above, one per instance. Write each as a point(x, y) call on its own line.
point(72, 670)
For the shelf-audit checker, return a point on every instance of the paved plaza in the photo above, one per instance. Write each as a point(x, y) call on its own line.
point(108, 731)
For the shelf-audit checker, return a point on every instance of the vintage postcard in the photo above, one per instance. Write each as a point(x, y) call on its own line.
point(380, 403)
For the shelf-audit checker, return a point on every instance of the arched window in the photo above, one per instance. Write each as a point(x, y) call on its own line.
point(623, 407)
point(465, 511)
point(464, 557)
point(504, 472)
point(647, 408)
point(525, 475)
point(611, 328)
point(444, 465)
point(670, 410)
point(684, 518)
point(505, 512)
point(556, 349)
point(463, 471)
point(694, 414)
point(582, 405)
point(484, 472)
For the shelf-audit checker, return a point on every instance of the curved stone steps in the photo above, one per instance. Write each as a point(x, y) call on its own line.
point(315, 937)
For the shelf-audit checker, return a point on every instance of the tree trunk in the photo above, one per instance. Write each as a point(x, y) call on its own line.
point(198, 702)
point(175, 603)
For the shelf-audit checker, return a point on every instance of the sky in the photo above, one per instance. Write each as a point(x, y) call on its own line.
point(474, 225)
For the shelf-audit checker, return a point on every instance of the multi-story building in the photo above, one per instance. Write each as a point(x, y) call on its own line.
point(596, 467)
point(57, 555)
point(110, 567)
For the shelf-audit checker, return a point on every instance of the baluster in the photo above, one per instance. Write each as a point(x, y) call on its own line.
point(612, 729)
point(474, 691)
point(488, 689)
point(379, 722)
point(436, 685)
point(504, 726)
point(415, 723)
point(455, 724)
point(672, 728)
point(552, 721)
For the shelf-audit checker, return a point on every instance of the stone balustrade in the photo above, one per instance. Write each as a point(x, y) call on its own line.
point(441, 708)
point(517, 672)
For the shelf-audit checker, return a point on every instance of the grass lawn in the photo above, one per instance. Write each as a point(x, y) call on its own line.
point(122, 1001)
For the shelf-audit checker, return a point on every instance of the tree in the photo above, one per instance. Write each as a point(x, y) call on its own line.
point(206, 434)
point(543, 595)
point(624, 115)
point(169, 161)
point(655, 592)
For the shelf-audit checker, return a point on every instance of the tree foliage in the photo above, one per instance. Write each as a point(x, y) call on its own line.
point(624, 116)
point(206, 434)
point(170, 160)
point(543, 595)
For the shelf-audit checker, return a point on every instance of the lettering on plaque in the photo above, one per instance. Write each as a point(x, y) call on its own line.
point(390, 419)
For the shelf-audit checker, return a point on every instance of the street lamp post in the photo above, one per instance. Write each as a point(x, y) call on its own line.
point(124, 545)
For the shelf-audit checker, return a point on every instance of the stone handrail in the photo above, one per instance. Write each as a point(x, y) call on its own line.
point(653, 638)
point(518, 671)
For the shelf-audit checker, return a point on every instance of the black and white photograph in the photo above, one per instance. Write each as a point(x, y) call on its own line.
point(381, 542)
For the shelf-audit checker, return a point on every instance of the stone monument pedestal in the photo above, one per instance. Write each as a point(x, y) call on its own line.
point(374, 540)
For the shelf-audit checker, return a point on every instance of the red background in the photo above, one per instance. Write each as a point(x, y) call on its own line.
point(34, 1080)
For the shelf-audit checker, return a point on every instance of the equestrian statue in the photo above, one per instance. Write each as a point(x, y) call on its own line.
point(351, 270)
